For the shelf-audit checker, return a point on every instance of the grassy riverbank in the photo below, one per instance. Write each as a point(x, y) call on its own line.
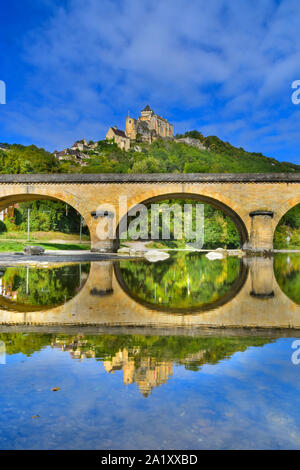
point(51, 236)
point(12, 245)
point(16, 241)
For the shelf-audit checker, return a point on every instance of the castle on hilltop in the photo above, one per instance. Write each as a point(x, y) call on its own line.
point(148, 127)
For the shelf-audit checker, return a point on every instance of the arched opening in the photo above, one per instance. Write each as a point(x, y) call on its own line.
point(287, 232)
point(43, 220)
point(216, 214)
point(287, 263)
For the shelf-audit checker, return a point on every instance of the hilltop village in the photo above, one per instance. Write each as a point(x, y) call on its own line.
point(147, 128)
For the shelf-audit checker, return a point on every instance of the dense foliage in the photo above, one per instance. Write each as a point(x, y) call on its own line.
point(31, 159)
point(167, 156)
point(45, 216)
point(159, 157)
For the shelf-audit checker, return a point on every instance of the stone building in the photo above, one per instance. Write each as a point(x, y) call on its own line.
point(80, 145)
point(119, 137)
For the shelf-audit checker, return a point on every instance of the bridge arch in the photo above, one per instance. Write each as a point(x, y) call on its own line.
point(18, 197)
point(282, 211)
point(284, 207)
point(215, 202)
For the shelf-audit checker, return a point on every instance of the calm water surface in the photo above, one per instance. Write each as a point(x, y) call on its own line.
point(24, 288)
point(145, 391)
point(184, 282)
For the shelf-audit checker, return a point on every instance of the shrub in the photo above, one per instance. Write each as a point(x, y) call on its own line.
point(3, 227)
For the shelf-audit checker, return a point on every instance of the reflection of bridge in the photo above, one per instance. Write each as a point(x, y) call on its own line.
point(255, 202)
point(259, 303)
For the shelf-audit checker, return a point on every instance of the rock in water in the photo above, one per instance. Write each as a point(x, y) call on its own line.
point(124, 250)
point(212, 255)
point(156, 255)
point(34, 250)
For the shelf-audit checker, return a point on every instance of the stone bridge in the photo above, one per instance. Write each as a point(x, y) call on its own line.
point(255, 202)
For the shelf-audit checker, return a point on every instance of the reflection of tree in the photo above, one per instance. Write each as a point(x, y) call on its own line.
point(146, 360)
point(287, 233)
point(27, 344)
point(42, 286)
point(287, 273)
point(181, 281)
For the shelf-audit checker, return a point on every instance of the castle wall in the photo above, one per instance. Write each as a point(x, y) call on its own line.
point(161, 126)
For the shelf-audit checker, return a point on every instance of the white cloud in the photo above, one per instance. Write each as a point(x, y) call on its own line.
point(92, 61)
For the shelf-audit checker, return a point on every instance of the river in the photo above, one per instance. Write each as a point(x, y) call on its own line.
point(186, 353)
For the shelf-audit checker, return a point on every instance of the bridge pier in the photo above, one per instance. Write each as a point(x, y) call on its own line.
point(102, 274)
point(262, 232)
point(262, 277)
point(102, 246)
point(101, 231)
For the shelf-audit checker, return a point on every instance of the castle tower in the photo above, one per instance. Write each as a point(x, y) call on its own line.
point(146, 114)
point(130, 128)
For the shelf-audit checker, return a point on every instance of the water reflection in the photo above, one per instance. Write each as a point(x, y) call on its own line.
point(148, 392)
point(147, 361)
point(182, 282)
point(287, 273)
point(25, 288)
point(132, 292)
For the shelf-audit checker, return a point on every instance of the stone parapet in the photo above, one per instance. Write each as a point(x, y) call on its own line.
point(152, 178)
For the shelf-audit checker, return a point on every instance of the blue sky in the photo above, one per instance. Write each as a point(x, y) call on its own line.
point(75, 67)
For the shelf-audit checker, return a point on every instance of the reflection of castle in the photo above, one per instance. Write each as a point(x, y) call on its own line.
point(147, 375)
point(146, 371)
point(76, 348)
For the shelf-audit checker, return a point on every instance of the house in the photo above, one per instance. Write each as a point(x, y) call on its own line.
point(119, 137)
